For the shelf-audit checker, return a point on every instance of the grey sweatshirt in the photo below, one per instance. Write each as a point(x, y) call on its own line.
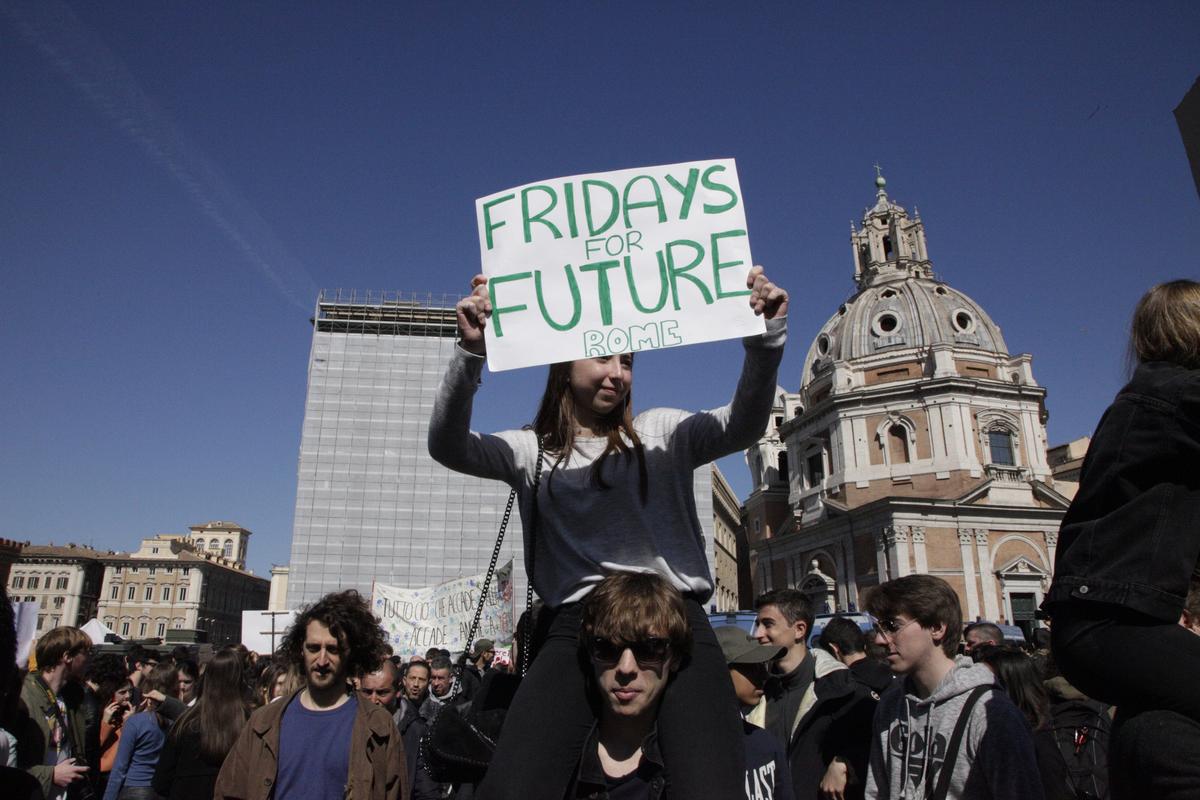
point(585, 532)
point(995, 758)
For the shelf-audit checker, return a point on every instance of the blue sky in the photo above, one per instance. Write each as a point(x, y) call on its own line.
point(180, 178)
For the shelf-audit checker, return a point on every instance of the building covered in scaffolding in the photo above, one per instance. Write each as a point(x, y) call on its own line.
point(371, 505)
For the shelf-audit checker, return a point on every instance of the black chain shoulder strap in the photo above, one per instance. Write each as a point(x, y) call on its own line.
point(527, 639)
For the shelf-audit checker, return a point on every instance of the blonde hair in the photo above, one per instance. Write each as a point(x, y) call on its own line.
point(1166, 324)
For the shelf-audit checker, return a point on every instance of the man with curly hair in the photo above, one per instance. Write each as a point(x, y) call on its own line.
point(323, 740)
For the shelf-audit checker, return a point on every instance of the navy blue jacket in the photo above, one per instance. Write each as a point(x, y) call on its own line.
point(1132, 535)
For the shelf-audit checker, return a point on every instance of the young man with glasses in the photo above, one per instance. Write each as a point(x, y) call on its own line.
point(636, 634)
point(945, 729)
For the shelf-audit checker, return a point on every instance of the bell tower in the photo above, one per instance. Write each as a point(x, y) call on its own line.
point(889, 246)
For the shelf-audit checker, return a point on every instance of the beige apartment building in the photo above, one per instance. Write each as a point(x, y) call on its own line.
point(169, 583)
point(64, 580)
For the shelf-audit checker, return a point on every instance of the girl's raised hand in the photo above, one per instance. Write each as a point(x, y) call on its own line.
point(471, 313)
point(766, 298)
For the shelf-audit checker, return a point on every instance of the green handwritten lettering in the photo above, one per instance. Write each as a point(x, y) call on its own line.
point(719, 265)
point(577, 306)
point(587, 206)
point(604, 291)
point(708, 183)
point(528, 220)
point(497, 309)
point(657, 202)
point(488, 225)
point(688, 191)
point(675, 272)
point(633, 290)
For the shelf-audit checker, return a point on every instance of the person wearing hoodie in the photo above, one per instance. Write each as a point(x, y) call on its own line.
point(945, 729)
point(813, 703)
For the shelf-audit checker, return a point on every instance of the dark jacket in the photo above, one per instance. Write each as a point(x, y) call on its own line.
point(182, 773)
point(590, 782)
point(834, 723)
point(377, 763)
point(412, 726)
point(1131, 536)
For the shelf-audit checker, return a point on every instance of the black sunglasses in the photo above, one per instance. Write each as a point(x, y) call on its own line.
point(649, 652)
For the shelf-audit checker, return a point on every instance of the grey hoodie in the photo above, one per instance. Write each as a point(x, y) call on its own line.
point(995, 758)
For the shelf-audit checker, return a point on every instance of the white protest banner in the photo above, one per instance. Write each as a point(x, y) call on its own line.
point(615, 262)
point(440, 616)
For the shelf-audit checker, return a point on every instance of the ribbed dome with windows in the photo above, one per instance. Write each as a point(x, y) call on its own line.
point(899, 304)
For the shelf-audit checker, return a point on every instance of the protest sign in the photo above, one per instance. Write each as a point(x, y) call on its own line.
point(440, 616)
point(615, 262)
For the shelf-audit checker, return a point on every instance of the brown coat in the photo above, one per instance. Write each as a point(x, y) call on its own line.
point(377, 763)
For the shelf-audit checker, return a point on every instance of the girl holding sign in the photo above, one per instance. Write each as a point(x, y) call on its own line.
point(615, 495)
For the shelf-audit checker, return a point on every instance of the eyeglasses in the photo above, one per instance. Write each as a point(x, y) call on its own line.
point(888, 628)
point(652, 651)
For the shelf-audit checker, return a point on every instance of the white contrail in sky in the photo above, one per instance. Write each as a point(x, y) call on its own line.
point(91, 67)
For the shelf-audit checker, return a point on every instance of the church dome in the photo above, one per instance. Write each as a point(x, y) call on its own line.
point(899, 315)
point(900, 305)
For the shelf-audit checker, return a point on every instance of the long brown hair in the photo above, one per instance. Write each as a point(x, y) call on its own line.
point(1166, 324)
point(220, 709)
point(556, 421)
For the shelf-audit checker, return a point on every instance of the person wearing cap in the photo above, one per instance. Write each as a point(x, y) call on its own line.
point(768, 776)
point(479, 661)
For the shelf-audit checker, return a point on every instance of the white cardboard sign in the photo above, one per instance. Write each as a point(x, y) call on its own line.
point(615, 262)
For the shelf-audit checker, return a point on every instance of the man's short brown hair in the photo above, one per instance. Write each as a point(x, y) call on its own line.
point(792, 603)
point(628, 606)
point(927, 599)
point(59, 642)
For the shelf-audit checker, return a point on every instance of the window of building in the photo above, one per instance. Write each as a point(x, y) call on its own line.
point(170, 570)
point(177, 624)
point(61, 583)
point(229, 548)
point(162, 629)
point(29, 598)
point(129, 594)
point(1001, 445)
point(116, 570)
point(783, 467)
point(166, 594)
point(113, 594)
point(124, 628)
point(898, 444)
point(815, 465)
point(41, 621)
point(134, 570)
point(153, 550)
point(54, 621)
point(153, 569)
point(34, 581)
point(149, 593)
point(141, 629)
point(58, 603)
point(182, 594)
point(18, 582)
point(187, 571)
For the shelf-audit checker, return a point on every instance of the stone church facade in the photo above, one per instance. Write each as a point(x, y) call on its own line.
point(916, 443)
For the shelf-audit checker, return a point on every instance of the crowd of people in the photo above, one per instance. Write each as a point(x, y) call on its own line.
point(630, 693)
